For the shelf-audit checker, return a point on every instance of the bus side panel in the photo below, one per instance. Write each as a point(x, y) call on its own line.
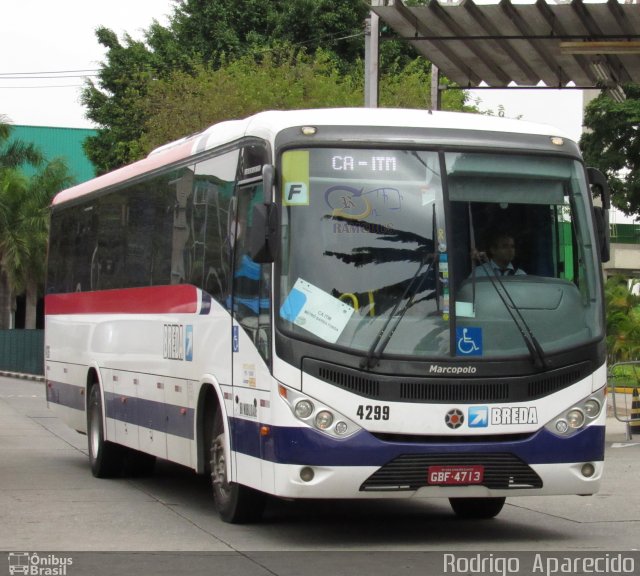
point(66, 377)
point(152, 436)
point(178, 394)
point(121, 406)
point(151, 367)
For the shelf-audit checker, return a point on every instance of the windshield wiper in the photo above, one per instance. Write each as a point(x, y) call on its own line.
point(536, 351)
point(378, 345)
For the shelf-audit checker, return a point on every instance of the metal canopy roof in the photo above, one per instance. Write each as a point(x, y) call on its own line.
point(593, 45)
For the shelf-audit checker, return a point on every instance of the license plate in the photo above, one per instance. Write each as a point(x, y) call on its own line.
point(455, 475)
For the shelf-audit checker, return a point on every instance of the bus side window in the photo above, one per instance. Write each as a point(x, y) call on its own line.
point(251, 281)
point(180, 263)
point(108, 266)
point(84, 249)
point(209, 226)
point(61, 253)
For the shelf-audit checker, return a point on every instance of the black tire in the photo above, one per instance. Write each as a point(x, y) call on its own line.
point(477, 508)
point(106, 459)
point(236, 504)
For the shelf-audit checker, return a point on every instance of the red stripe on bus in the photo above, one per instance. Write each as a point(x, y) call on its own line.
point(178, 299)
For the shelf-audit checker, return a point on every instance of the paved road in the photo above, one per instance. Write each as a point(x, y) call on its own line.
point(50, 502)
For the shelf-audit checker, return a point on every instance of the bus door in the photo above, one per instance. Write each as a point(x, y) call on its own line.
point(251, 339)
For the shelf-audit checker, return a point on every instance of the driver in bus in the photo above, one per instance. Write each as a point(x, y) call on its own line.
point(499, 262)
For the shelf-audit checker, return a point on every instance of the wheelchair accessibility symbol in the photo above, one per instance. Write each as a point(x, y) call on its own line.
point(469, 341)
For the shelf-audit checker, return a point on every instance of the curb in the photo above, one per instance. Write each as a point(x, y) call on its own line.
point(32, 377)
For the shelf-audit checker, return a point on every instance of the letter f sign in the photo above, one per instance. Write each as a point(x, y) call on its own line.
point(296, 194)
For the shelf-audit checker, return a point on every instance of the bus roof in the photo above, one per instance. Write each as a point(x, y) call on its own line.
point(267, 125)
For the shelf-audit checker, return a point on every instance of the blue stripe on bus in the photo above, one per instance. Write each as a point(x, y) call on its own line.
point(308, 447)
point(159, 416)
point(65, 394)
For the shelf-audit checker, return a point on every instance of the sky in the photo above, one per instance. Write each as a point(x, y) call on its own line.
point(41, 37)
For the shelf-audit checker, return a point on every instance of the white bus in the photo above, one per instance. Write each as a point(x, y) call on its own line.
point(292, 304)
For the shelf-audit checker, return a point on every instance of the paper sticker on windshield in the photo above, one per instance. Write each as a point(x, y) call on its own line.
point(316, 311)
point(295, 178)
point(468, 341)
point(296, 194)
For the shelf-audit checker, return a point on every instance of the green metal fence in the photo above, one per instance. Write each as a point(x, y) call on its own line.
point(22, 351)
point(625, 233)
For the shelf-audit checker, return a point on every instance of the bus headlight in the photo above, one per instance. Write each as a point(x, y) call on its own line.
point(341, 428)
point(575, 418)
point(578, 416)
point(316, 415)
point(592, 408)
point(304, 409)
point(324, 419)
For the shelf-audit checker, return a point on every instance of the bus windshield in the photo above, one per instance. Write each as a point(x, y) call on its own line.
point(424, 254)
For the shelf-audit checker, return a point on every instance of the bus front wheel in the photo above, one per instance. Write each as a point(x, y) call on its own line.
point(235, 503)
point(106, 459)
point(477, 508)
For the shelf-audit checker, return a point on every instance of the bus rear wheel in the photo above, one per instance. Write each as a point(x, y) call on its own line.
point(106, 459)
point(477, 508)
point(235, 503)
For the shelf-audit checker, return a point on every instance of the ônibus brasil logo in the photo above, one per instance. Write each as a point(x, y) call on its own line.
point(38, 565)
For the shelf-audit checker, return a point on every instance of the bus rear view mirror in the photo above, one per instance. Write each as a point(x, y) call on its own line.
point(263, 237)
point(600, 187)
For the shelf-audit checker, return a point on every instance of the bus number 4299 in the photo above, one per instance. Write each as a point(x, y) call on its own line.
point(369, 412)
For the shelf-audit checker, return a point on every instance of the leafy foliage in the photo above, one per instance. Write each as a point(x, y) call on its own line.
point(218, 31)
point(184, 103)
point(24, 220)
point(612, 145)
point(222, 59)
point(409, 87)
point(114, 104)
point(623, 321)
point(16, 153)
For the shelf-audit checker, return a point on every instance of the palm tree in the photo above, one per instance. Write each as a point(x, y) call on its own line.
point(16, 153)
point(34, 223)
point(12, 188)
point(24, 222)
point(24, 226)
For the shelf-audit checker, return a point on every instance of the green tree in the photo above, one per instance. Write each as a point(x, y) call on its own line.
point(222, 30)
point(11, 183)
point(282, 79)
point(114, 103)
point(203, 37)
point(209, 34)
point(410, 87)
point(13, 154)
point(24, 219)
point(623, 321)
point(24, 226)
point(186, 103)
point(612, 145)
